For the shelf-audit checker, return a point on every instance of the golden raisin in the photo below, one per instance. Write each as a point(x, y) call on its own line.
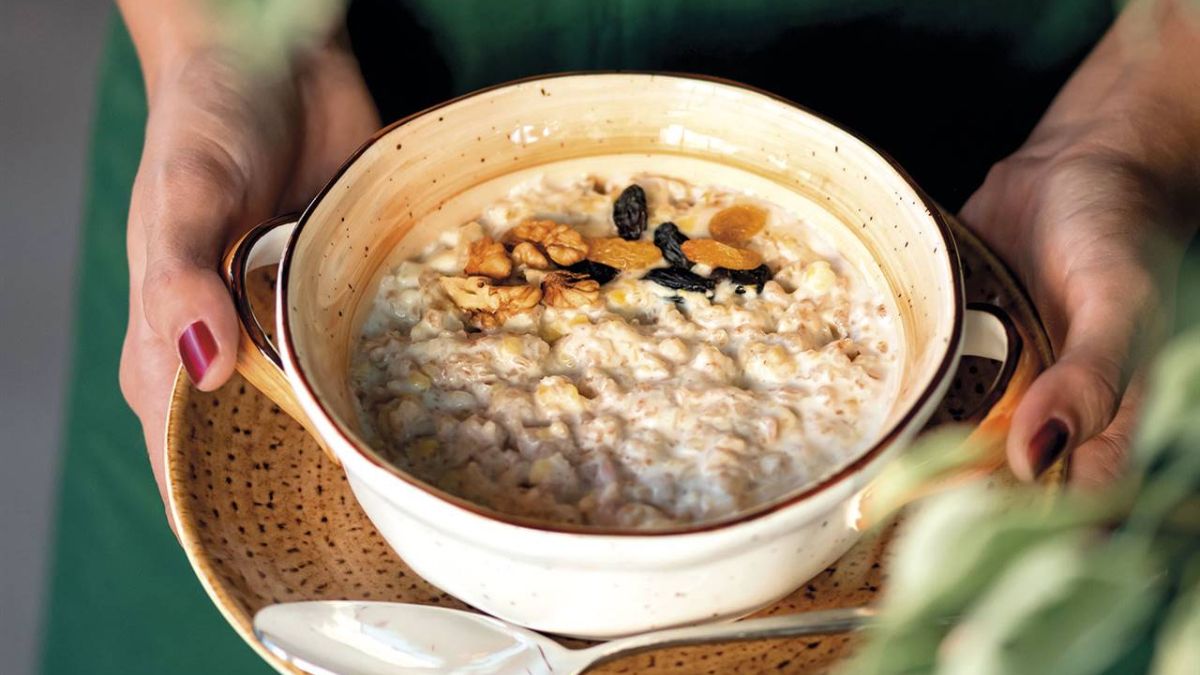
point(737, 224)
point(715, 254)
point(623, 254)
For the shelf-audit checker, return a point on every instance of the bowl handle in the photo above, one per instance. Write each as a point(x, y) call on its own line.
point(258, 359)
point(988, 332)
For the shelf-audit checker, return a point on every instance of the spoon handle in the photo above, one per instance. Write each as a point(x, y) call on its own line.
point(793, 625)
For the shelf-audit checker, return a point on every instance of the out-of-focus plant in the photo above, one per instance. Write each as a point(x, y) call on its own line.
point(989, 580)
point(267, 33)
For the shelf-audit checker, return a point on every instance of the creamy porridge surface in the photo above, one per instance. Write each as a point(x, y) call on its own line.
point(567, 357)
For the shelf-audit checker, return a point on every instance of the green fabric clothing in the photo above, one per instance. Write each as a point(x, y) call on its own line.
point(945, 86)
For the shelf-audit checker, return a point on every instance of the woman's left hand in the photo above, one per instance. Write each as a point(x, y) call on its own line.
point(1094, 213)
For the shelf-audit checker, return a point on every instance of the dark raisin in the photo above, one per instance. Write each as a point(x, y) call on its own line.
point(686, 280)
point(599, 271)
point(757, 277)
point(629, 213)
point(669, 240)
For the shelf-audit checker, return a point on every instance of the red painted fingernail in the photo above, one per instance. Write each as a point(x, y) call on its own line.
point(197, 350)
point(1047, 445)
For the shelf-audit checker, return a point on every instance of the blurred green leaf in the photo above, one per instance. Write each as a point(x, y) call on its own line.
point(1167, 446)
point(1178, 651)
point(952, 548)
point(1067, 606)
point(996, 579)
point(267, 34)
point(1170, 414)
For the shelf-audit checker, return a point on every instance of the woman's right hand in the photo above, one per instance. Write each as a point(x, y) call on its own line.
point(225, 148)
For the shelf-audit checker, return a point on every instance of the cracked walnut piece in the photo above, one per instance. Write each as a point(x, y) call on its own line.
point(490, 306)
point(564, 245)
point(471, 293)
point(567, 290)
point(488, 258)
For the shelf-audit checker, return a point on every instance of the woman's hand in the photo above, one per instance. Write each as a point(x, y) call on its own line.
point(224, 149)
point(1094, 213)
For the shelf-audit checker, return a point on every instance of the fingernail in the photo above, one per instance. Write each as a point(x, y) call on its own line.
point(1047, 445)
point(197, 350)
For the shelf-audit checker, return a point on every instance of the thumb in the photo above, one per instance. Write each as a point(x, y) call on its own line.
point(185, 301)
point(1076, 398)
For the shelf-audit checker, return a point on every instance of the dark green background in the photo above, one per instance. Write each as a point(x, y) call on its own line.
point(946, 87)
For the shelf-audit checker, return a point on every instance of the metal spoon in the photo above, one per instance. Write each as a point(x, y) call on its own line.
point(388, 638)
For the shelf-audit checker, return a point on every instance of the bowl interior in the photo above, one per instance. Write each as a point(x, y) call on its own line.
point(444, 165)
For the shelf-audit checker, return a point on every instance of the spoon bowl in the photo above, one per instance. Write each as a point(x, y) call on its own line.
point(389, 638)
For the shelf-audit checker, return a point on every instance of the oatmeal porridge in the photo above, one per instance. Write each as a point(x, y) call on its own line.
point(632, 351)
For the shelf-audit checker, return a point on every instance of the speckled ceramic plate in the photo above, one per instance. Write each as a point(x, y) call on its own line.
point(265, 517)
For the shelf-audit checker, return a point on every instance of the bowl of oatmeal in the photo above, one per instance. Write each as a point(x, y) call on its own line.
point(606, 353)
point(626, 351)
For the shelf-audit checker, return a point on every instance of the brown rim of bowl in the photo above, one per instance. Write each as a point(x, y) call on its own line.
point(865, 458)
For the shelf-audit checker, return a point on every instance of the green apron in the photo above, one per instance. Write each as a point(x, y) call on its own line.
point(946, 86)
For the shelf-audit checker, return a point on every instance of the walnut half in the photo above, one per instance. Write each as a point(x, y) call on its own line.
point(564, 245)
point(567, 290)
point(488, 258)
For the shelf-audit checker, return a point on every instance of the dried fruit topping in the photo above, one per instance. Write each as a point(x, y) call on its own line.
point(757, 277)
point(564, 245)
point(489, 306)
point(568, 290)
point(715, 254)
point(622, 254)
point(680, 279)
point(737, 224)
point(669, 239)
point(528, 255)
point(488, 258)
point(629, 212)
point(599, 271)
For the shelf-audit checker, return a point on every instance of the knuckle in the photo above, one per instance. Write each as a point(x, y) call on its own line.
point(198, 173)
point(160, 287)
point(1003, 168)
point(1096, 385)
point(1001, 173)
point(1103, 376)
point(162, 276)
point(1103, 459)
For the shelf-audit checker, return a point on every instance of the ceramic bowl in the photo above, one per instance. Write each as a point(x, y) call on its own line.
point(446, 163)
